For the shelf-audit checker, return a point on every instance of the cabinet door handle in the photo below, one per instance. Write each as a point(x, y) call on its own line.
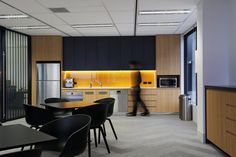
point(102, 93)
point(230, 133)
point(230, 119)
point(89, 93)
point(230, 105)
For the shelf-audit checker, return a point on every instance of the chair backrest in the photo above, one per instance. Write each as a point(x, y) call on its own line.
point(77, 142)
point(54, 100)
point(37, 116)
point(97, 112)
point(72, 133)
point(27, 153)
point(110, 102)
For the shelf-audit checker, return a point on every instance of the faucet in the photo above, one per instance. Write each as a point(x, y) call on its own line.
point(100, 83)
point(90, 84)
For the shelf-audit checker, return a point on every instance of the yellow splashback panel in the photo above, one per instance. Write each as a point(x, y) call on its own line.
point(119, 78)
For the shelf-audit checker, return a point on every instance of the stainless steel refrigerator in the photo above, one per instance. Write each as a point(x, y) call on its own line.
point(48, 81)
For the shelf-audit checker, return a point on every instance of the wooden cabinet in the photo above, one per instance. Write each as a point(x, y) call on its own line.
point(149, 98)
point(216, 99)
point(221, 119)
point(100, 94)
point(108, 53)
point(168, 99)
point(168, 55)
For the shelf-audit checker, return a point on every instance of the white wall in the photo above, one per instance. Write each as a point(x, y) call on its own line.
point(213, 24)
point(232, 55)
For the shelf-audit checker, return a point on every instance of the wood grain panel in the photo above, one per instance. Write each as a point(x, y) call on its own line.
point(168, 54)
point(216, 99)
point(89, 95)
point(168, 99)
point(148, 96)
point(231, 144)
point(44, 48)
point(100, 94)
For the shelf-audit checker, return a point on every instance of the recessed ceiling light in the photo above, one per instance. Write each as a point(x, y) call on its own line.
point(92, 25)
point(13, 16)
point(161, 12)
point(160, 24)
point(29, 27)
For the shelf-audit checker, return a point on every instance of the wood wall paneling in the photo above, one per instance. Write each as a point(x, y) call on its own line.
point(168, 99)
point(168, 54)
point(44, 48)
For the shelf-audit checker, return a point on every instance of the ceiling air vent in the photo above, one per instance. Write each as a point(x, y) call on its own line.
point(59, 10)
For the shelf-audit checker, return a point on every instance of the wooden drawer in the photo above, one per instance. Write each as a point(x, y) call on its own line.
point(230, 111)
point(231, 144)
point(230, 125)
point(100, 94)
point(151, 105)
point(146, 91)
point(143, 97)
point(89, 95)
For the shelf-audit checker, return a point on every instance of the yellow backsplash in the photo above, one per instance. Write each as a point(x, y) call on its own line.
point(110, 78)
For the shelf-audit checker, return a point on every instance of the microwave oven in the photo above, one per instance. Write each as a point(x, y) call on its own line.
point(168, 82)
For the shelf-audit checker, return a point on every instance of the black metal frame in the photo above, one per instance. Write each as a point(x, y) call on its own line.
point(29, 59)
point(185, 57)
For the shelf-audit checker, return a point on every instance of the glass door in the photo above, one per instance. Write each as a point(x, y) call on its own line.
point(190, 76)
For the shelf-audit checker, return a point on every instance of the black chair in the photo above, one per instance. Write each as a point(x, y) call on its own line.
point(27, 153)
point(110, 102)
point(98, 113)
point(72, 133)
point(36, 116)
point(57, 112)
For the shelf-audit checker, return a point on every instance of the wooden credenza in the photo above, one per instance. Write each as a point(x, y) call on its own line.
point(221, 118)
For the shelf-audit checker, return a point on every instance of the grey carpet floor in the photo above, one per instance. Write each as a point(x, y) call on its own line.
point(154, 136)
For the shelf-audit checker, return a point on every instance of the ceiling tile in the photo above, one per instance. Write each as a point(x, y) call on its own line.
point(166, 4)
point(156, 30)
point(161, 18)
point(120, 5)
point(124, 27)
point(49, 18)
point(85, 18)
point(20, 22)
point(28, 6)
point(70, 3)
point(42, 32)
point(5, 9)
point(188, 23)
point(98, 31)
point(68, 29)
point(123, 17)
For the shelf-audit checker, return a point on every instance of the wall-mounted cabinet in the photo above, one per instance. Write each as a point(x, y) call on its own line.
point(168, 54)
point(108, 53)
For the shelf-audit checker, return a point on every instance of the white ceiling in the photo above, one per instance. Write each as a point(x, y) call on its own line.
point(120, 13)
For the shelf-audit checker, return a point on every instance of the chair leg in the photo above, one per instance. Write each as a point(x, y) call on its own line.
point(95, 137)
point(89, 145)
point(103, 125)
point(114, 132)
point(99, 136)
point(105, 140)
